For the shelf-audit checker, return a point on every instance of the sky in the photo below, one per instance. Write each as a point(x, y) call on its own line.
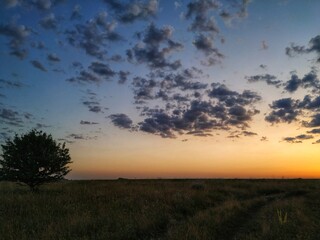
point(166, 89)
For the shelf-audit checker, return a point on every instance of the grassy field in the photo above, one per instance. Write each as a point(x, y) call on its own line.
point(162, 209)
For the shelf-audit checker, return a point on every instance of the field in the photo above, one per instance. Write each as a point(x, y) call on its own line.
point(162, 209)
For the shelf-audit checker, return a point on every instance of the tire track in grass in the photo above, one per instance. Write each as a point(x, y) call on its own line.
point(241, 223)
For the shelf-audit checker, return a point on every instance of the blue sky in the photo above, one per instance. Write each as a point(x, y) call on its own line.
point(111, 77)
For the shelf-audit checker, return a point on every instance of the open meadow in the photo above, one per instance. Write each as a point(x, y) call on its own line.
point(162, 209)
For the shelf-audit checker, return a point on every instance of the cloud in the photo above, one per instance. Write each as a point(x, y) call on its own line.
point(11, 3)
point(150, 52)
point(123, 76)
point(76, 15)
point(17, 35)
point(314, 46)
point(205, 44)
point(314, 131)
point(93, 106)
point(84, 77)
point(76, 136)
point(298, 139)
point(49, 22)
point(284, 110)
point(131, 12)
point(53, 57)
point(11, 84)
point(93, 36)
point(263, 66)
point(264, 45)
point(42, 4)
point(82, 122)
point(11, 117)
point(314, 122)
point(316, 142)
point(267, 78)
point(264, 139)
point(101, 69)
point(184, 115)
point(248, 133)
point(38, 65)
point(309, 81)
point(199, 11)
point(121, 120)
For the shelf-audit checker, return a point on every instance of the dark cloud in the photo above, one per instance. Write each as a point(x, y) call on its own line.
point(316, 142)
point(101, 69)
point(205, 26)
point(309, 81)
point(314, 46)
point(42, 4)
point(248, 133)
point(76, 136)
point(198, 10)
point(292, 140)
point(85, 77)
point(136, 10)
point(298, 139)
point(198, 117)
point(264, 45)
point(232, 98)
point(53, 57)
point(41, 125)
point(17, 35)
point(38, 65)
point(314, 122)
point(82, 122)
point(49, 22)
point(314, 131)
point(121, 120)
point(11, 117)
point(263, 66)
point(93, 106)
point(11, 3)
point(76, 15)
point(293, 84)
point(38, 45)
point(93, 36)
point(269, 79)
point(150, 51)
point(264, 139)
point(123, 76)
point(205, 44)
point(11, 84)
point(19, 53)
point(284, 110)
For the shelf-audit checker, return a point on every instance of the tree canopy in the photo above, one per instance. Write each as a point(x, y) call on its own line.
point(34, 158)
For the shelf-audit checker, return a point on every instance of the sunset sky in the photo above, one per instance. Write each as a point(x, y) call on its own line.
point(166, 89)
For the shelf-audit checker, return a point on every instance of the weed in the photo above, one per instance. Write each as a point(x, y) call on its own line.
point(282, 216)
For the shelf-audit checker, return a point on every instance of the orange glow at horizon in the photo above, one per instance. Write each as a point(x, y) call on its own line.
point(217, 157)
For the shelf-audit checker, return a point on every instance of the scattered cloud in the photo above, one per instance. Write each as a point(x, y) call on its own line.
point(133, 11)
point(298, 139)
point(82, 122)
point(121, 120)
point(284, 110)
point(38, 65)
point(314, 46)
point(150, 52)
point(49, 22)
point(53, 57)
point(269, 79)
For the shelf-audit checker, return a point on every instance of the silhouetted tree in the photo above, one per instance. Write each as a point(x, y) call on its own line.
point(34, 159)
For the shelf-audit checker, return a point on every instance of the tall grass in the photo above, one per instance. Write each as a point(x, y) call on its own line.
point(162, 209)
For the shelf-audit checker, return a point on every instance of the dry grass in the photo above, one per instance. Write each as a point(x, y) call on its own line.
point(162, 209)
